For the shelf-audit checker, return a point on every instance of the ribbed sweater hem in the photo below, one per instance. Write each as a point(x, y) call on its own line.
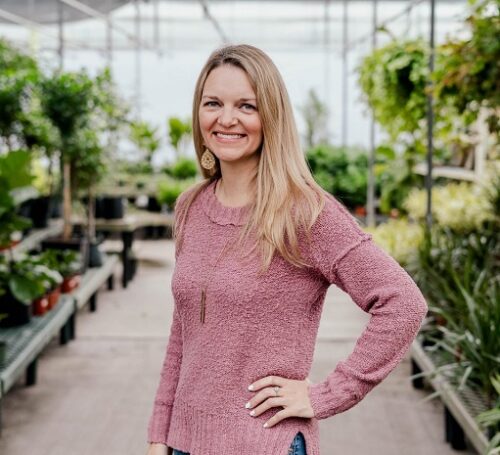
point(200, 433)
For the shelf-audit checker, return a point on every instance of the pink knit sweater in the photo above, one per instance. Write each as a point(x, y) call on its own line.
point(261, 326)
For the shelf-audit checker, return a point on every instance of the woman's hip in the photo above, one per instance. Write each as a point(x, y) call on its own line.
point(298, 447)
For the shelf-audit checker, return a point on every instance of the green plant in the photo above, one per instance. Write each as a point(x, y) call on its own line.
point(146, 138)
point(340, 171)
point(491, 418)
point(19, 74)
point(183, 168)
point(177, 131)
point(468, 76)
point(315, 114)
point(169, 191)
point(14, 174)
point(66, 262)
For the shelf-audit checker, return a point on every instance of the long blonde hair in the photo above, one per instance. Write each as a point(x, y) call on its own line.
point(287, 195)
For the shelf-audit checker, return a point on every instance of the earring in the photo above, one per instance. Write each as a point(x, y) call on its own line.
point(208, 160)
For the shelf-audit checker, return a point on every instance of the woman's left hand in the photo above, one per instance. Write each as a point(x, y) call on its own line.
point(293, 396)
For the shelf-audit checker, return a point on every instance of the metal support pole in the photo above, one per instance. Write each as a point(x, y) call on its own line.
point(344, 73)
point(430, 121)
point(370, 197)
point(60, 22)
point(156, 25)
point(327, 69)
point(109, 37)
point(138, 59)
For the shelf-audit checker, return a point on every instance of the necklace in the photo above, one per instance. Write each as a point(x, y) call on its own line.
point(203, 296)
point(205, 284)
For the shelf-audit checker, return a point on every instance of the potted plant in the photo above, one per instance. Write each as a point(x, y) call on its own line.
point(14, 174)
point(179, 133)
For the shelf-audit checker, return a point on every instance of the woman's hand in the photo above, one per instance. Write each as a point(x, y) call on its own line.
point(293, 396)
point(159, 449)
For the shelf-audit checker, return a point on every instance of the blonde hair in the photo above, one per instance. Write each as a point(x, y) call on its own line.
point(287, 195)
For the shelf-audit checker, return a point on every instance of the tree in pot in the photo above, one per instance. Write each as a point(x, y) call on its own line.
point(68, 100)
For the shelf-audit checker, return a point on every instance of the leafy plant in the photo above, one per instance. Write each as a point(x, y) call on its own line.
point(66, 262)
point(169, 191)
point(340, 171)
point(315, 114)
point(183, 168)
point(177, 131)
point(491, 418)
point(146, 138)
point(14, 174)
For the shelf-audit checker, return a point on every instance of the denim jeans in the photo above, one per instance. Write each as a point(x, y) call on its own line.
point(298, 447)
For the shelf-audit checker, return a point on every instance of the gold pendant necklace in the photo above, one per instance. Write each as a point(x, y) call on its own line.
point(204, 287)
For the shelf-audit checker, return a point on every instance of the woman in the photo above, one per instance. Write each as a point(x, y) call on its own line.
point(258, 243)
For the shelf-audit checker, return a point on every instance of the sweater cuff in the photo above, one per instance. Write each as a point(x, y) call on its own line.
point(332, 396)
point(159, 424)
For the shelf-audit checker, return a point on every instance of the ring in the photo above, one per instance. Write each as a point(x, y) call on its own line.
point(276, 389)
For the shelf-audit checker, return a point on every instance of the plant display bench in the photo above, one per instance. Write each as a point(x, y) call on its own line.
point(460, 406)
point(26, 342)
point(92, 281)
point(127, 226)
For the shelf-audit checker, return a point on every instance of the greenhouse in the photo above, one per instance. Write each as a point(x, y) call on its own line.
point(140, 138)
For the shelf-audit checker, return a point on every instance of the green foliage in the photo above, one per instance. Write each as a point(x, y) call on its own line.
point(183, 168)
point(393, 81)
point(468, 75)
point(169, 191)
point(458, 274)
point(491, 418)
point(68, 99)
point(340, 171)
point(177, 129)
point(146, 138)
point(66, 262)
point(315, 114)
point(28, 278)
point(14, 173)
point(18, 75)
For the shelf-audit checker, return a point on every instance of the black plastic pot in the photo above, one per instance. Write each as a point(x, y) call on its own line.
point(113, 207)
point(153, 204)
point(40, 212)
point(95, 255)
point(18, 313)
point(55, 207)
point(3, 353)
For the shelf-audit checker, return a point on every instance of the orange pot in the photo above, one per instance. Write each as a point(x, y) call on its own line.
point(40, 306)
point(54, 297)
point(70, 283)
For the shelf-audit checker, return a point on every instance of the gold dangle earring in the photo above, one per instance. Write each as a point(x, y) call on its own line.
point(208, 160)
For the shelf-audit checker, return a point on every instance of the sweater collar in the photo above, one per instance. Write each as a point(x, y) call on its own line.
point(222, 214)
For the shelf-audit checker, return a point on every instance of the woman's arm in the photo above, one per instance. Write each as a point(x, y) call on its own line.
point(159, 422)
point(348, 258)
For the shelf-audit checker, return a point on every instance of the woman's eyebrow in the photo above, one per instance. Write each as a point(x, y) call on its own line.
point(241, 99)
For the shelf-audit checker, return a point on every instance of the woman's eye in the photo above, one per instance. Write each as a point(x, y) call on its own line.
point(210, 102)
point(248, 105)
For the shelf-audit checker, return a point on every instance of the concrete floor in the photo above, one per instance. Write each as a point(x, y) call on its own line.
point(94, 395)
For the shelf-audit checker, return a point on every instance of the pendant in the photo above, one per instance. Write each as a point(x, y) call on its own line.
point(202, 306)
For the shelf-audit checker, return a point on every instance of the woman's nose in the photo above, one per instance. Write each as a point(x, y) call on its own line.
point(227, 118)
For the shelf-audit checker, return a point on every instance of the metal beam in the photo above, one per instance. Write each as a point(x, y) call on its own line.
point(83, 8)
point(216, 24)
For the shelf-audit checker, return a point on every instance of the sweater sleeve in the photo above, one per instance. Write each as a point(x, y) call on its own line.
point(159, 422)
point(347, 257)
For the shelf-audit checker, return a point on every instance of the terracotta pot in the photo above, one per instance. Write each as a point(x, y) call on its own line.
point(70, 283)
point(10, 245)
point(360, 210)
point(54, 297)
point(40, 306)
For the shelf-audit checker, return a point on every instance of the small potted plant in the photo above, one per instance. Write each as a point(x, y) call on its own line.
point(70, 267)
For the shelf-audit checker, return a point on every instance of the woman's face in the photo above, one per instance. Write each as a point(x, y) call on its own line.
point(229, 120)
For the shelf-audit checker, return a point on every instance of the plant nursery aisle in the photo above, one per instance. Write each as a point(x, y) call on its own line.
point(94, 395)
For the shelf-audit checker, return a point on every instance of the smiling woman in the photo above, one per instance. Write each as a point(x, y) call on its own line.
point(258, 243)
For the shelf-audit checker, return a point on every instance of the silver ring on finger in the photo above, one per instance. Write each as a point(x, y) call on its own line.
point(276, 389)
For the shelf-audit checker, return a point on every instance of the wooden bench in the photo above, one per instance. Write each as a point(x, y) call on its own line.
point(26, 342)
